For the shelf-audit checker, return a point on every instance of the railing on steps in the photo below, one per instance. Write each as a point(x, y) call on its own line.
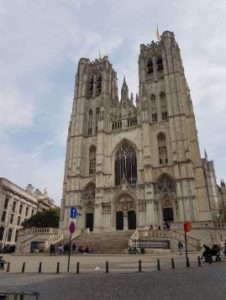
point(148, 235)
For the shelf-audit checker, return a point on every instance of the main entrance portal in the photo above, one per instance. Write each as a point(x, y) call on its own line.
point(119, 220)
point(168, 214)
point(132, 219)
point(89, 221)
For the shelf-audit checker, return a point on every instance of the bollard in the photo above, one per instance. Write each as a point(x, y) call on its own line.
point(158, 265)
point(8, 267)
point(77, 268)
point(58, 268)
point(139, 266)
point(187, 263)
point(199, 261)
point(107, 267)
point(40, 268)
point(172, 263)
point(23, 267)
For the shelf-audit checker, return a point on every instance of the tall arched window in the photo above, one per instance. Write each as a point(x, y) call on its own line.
point(99, 85)
point(163, 106)
point(126, 164)
point(92, 160)
point(90, 122)
point(150, 66)
point(97, 117)
point(162, 148)
point(91, 87)
point(154, 109)
point(159, 64)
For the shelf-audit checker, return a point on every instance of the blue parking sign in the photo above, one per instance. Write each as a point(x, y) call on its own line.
point(73, 213)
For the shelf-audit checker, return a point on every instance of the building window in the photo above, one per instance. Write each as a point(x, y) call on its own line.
point(92, 160)
point(154, 109)
point(159, 64)
point(99, 85)
point(16, 236)
point(150, 66)
point(18, 221)
point(11, 218)
point(97, 118)
point(126, 164)
point(162, 149)
point(6, 203)
point(3, 216)
point(26, 212)
point(91, 87)
point(21, 208)
point(14, 206)
point(32, 212)
point(163, 106)
point(1, 233)
point(90, 122)
point(9, 235)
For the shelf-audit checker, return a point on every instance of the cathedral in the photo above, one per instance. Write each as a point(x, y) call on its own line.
point(131, 161)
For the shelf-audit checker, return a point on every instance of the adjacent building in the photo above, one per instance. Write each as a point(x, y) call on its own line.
point(16, 205)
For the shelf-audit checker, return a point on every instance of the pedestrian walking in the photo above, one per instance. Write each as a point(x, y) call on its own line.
point(180, 247)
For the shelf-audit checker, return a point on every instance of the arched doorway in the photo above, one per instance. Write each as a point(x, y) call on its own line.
point(168, 214)
point(88, 197)
point(132, 220)
point(89, 221)
point(119, 220)
point(125, 213)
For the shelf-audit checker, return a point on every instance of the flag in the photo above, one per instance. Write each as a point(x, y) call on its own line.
point(157, 34)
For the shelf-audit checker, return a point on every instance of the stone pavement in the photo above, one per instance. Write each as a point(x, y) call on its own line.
point(197, 283)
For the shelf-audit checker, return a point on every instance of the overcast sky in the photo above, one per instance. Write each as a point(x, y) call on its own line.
point(41, 42)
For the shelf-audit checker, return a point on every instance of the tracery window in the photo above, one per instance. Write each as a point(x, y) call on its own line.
point(89, 192)
point(159, 64)
point(163, 106)
point(91, 87)
point(99, 85)
point(165, 184)
point(90, 122)
point(126, 164)
point(150, 66)
point(92, 160)
point(97, 117)
point(162, 149)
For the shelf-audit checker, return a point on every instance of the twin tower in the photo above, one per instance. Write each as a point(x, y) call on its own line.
point(134, 162)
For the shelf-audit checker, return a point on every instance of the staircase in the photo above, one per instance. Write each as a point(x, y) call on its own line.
point(115, 242)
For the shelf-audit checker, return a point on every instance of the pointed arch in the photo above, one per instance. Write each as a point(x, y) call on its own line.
point(150, 69)
point(162, 148)
point(159, 64)
point(91, 87)
point(99, 84)
point(165, 183)
point(92, 160)
point(125, 163)
point(89, 192)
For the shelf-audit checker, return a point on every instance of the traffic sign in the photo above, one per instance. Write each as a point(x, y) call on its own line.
point(73, 213)
point(72, 227)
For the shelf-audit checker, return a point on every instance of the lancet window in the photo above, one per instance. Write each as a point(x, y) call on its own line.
point(90, 122)
point(97, 117)
point(91, 87)
point(92, 160)
point(162, 149)
point(159, 64)
point(150, 66)
point(99, 85)
point(165, 184)
point(154, 109)
point(163, 106)
point(126, 164)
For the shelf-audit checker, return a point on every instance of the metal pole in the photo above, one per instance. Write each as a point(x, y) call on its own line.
point(186, 249)
point(69, 254)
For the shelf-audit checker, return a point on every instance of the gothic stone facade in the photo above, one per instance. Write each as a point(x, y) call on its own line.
point(128, 165)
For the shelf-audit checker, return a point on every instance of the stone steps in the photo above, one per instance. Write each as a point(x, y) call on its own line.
point(105, 242)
